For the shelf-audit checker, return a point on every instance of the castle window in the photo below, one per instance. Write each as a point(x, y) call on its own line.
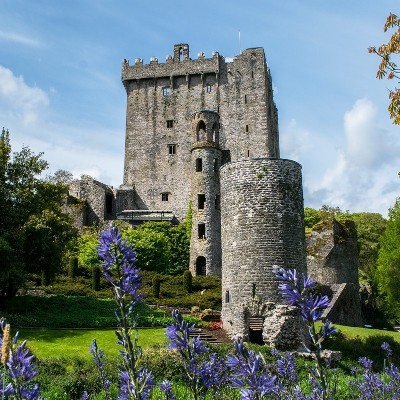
point(209, 88)
point(166, 91)
point(164, 196)
point(109, 203)
point(201, 131)
point(247, 128)
point(170, 123)
point(201, 265)
point(201, 231)
point(217, 202)
point(201, 199)
point(245, 99)
point(248, 153)
point(252, 74)
point(199, 164)
point(253, 291)
point(215, 165)
point(227, 297)
point(172, 149)
point(181, 54)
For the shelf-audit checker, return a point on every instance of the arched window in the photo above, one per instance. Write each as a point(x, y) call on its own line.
point(215, 132)
point(201, 131)
point(201, 267)
point(181, 54)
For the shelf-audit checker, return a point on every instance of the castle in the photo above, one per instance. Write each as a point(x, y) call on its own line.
point(204, 134)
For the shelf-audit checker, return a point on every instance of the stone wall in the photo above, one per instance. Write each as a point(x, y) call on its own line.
point(332, 254)
point(205, 242)
point(262, 226)
point(98, 198)
point(332, 260)
point(162, 97)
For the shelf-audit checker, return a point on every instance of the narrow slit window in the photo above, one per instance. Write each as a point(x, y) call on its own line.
point(215, 165)
point(247, 128)
point(217, 202)
point(209, 88)
point(199, 164)
point(170, 123)
point(201, 200)
point(248, 153)
point(166, 91)
point(201, 231)
point(164, 196)
point(172, 149)
point(245, 99)
point(227, 297)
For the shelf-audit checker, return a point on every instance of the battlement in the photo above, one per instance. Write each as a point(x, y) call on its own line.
point(180, 64)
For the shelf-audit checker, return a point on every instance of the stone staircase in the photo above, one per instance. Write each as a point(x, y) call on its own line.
point(205, 336)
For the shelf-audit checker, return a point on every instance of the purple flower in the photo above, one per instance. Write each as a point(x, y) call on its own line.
point(140, 384)
point(166, 387)
point(250, 373)
point(119, 264)
point(21, 371)
point(119, 269)
point(385, 346)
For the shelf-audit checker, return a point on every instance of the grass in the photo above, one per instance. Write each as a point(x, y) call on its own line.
point(72, 343)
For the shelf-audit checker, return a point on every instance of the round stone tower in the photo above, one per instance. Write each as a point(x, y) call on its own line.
point(263, 225)
point(205, 242)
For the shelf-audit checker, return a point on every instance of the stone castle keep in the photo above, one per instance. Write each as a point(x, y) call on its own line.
point(204, 133)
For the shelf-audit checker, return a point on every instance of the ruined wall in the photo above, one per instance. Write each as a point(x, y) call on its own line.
point(332, 254)
point(262, 226)
point(161, 97)
point(99, 200)
point(332, 260)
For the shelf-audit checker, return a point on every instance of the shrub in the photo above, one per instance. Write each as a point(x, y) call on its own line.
point(187, 281)
point(73, 267)
point(156, 285)
point(96, 278)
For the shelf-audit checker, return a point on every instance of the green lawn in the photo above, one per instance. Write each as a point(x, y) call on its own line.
point(364, 333)
point(70, 343)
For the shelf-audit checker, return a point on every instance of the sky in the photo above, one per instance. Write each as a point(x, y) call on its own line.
point(61, 91)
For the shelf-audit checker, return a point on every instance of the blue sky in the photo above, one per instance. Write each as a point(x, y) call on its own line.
point(61, 91)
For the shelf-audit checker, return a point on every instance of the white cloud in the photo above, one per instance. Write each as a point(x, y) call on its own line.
point(364, 174)
point(18, 38)
point(19, 100)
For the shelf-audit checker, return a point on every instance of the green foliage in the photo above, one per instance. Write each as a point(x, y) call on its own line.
point(96, 278)
point(34, 231)
point(388, 275)
point(156, 285)
point(311, 217)
point(47, 236)
point(370, 227)
point(153, 250)
point(87, 244)
point(187, 281)
point(73, 267)
point(159, 247)
point(388, 67)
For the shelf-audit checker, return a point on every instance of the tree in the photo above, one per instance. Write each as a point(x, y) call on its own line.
point(31, 218)
point(388, 274)
point(370, 227)
point(311, 217)
point(152, 247)
point(61, 176)
point(387, 67)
